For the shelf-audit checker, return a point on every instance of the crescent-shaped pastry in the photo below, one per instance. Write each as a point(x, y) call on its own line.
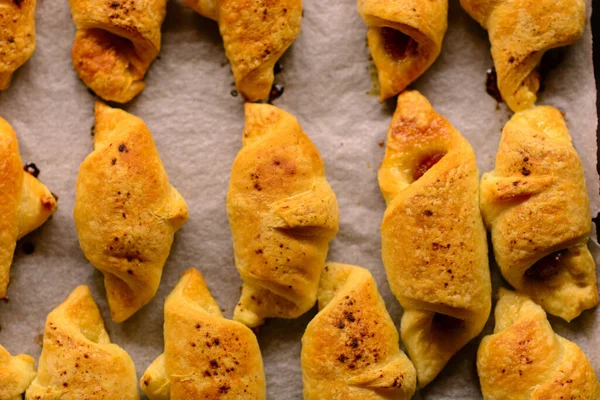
point(434, 244)
point(115, 43)
point(126, 211)
point(26, 203)
point(536, 206)
point(282, 214)
point(405, 38)
point(525, 360)
point(78, 360)
point(16, 374)
point(206, 356)
point(17, 36)
point(350, 349)
point(255, 35)
point(520, 32)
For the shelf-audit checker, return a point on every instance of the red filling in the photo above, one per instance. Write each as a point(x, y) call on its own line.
point(397, 44)
point(546, 267)
point(426, 164)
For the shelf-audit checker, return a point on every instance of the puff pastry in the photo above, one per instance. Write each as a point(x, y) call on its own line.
point(17, 36)
point(26, 203)
point(434, 244)
point(520, 32)
point(206, 356)
point(282, 214)
point(16, 374)
point(525, 360)
point(115, 43)
point(405, 38)
point(350, 349)
point(126, 211)
point(536, 205)
point(78, 360)
point(255, 35)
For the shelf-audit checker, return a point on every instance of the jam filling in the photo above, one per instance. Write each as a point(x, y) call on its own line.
point(547, 267)
point(397, 44)
point(425, 164)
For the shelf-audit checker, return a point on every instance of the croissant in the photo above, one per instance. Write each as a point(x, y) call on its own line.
point(255, 35)
point(115, 43)
point(282, 214)
point(17, 37)
point(536, 205)
point(434, 244)
point(126, 211)
point(525, 360)
point(350, 349)
point(16, 374)
point(520, 32)
point(405, 38)
point(78, 361)
point(26, 203)
point(206, 356)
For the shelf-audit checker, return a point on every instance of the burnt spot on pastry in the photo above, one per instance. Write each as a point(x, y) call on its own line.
point(123, 148)
point(18, 2)
point(397, 44)
point(491, 85)
point(445, 323)
point(31, 169)
point(425, 164)
point(547, 267)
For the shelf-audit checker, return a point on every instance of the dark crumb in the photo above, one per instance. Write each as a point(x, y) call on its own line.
point(381, 144)
point(491, 85)
point(31, 169)
point(276, 92)
point(93, 130)
point(28, 248)
point(123, 148)
point(234, 93)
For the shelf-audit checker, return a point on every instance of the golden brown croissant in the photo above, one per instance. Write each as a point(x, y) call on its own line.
point(536, 205)
point(520, 32)
point(525, 360)
point(255, 35)
point(126, 211)
point(282, 213)
point(78, 361)
point(115, 44)
point(16, 374)
point(26, 203)
point(405, 38)
point(350, 349)
point(206, 356)
point(434, 244)
point(17, 36)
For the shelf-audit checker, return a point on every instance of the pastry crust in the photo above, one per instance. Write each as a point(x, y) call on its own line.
point(350, 349)
point(126, 211)
point(16, 374)
point(17, 36)
point(405, 38)
point(282, 214)
point(525, 360)
point(255, 35)
point(26, 203)
point(434, 244)
point(520, 32)
point(115, 43)
point(206, 356)
point(535, 204)
point(78, 361)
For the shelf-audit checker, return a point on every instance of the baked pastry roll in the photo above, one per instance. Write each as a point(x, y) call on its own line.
point(16, 374)
point(282, 214)
point(206, 356)
point(115, 43)
point(255, 35)
point(405, 38)
point(17, 37)
point(350, 349)
point(26, 203)
point(536, 206)
point(520, 32)
point(434, 244)
point(78, 360)
point(524, 359)
point(126, 211)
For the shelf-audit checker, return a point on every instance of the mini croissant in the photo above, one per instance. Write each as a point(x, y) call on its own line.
point(536, 205)
point(206, 356)
point(255, 35)
point(115, 43)
point(16, 374)
point(26, 203)
point(405, 38)
point(434, 244)
point(282, 214)
point(78, 361)
point(525, 360)
point(520, 32)
point(350, 349)
point(126, 211)
point(17, 36)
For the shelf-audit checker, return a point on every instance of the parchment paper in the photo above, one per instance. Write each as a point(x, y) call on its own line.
point(197, 126)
